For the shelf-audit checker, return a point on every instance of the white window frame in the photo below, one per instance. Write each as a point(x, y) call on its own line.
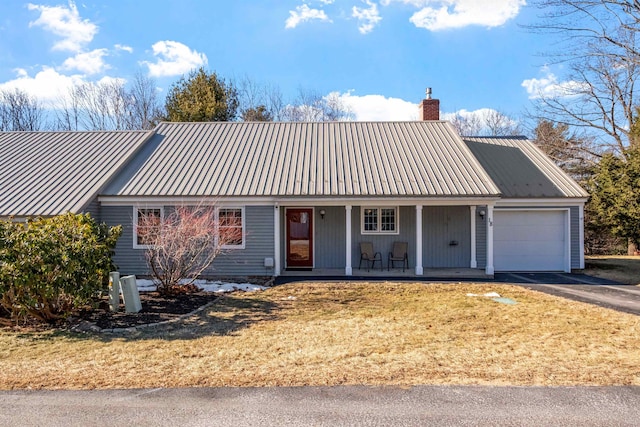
point(244, 221)
point(136, 245)
point(379, 230)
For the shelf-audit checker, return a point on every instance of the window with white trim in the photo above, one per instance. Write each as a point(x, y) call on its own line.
point(231, 228)
point(145, 225)
point(379, 220)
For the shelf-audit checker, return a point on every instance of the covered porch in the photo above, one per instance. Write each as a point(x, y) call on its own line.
point(429, 273)
point(445, 239)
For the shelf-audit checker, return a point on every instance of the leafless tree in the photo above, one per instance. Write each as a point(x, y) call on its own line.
point(264, 101)
point(485, 122)
point(185, 243)
point(144, 105)
point(311, 106)
point(20, 112)
point(261, 102)
point(599, 46)
point(499, 124)
point(94, 106)
point(467, 125)
point(109, 105)
point(262, 98)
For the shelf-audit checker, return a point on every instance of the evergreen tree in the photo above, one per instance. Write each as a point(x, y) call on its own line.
point(201, 97)
point(615, 193)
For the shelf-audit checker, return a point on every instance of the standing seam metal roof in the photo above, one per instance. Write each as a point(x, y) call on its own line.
point(49, 173)
point(360, 159)
point(521, 169)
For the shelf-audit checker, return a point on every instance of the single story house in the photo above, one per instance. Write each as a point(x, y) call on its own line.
point(307, 194)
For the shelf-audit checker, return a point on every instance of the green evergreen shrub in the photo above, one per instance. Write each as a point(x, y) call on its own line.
point(50, 267)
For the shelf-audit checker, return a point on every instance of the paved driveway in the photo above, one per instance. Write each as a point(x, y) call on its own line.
point(551, 278)
point(580, 287)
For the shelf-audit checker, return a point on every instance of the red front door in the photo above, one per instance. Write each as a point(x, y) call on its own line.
point(299, 237)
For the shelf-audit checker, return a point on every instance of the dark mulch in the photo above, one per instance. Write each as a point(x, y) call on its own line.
point(155, 309)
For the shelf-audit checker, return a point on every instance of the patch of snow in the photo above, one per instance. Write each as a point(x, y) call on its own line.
point(488, 295)
point(492, 295)
point(145, 285)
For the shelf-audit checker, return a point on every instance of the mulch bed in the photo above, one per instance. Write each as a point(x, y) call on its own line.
point(155, 309)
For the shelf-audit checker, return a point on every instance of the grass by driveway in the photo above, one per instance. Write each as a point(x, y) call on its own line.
point(621, 268)
point(346, 333)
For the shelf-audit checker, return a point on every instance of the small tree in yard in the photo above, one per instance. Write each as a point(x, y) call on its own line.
point(185, 243)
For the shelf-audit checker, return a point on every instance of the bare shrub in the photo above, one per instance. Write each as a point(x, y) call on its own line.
point(185, 243)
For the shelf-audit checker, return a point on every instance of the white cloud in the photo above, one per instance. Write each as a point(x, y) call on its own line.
point(304, 13)
point(123, 47)
point(481, 115)
point(87, 63)
point(435, 15)
point(549, 86)
point(65, 22)
point(174, 58)
point(47, 85)
point(367, 17)
point(379, 108)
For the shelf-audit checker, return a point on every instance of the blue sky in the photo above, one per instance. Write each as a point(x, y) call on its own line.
point(379, 55)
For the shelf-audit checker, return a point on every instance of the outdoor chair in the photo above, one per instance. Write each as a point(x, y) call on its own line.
point(398, 254)
point(369, 256)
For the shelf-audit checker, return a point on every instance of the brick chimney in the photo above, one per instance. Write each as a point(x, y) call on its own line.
point(429, 109)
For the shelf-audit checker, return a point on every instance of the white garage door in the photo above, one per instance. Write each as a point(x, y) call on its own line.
point(530, 241)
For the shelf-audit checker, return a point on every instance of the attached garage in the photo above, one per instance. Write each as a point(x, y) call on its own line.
point(531, 240)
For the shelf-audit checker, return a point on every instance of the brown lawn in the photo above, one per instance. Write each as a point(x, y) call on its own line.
point(345, 333)
point(621, 268)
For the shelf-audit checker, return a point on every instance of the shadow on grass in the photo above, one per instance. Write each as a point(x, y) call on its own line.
point(226, 316)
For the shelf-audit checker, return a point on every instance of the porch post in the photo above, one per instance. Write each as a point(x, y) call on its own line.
point(581, 233)
point(489, 269)
point(474, 261)
point(419, 269)
point(276, 240)
point(348, 271)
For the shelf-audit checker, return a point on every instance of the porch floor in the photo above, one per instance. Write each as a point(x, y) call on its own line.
point(429, 273)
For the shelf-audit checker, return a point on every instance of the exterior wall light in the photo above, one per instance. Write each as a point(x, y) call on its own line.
point(322, 213)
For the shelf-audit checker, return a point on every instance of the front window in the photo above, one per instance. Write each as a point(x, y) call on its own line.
point(370, 220)
point(380, 220)
point(231, 228)
point(146, 227)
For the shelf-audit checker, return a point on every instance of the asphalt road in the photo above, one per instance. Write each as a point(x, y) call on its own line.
point(326, 406)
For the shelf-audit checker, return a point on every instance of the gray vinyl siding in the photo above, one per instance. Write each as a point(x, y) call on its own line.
point(574, 226)
point(93, 209)
point(127, 259)
point(329, 238)
point(383, 243)
point(237, 262)
point(481, 237)
point(446, 236)
point(259, 244)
